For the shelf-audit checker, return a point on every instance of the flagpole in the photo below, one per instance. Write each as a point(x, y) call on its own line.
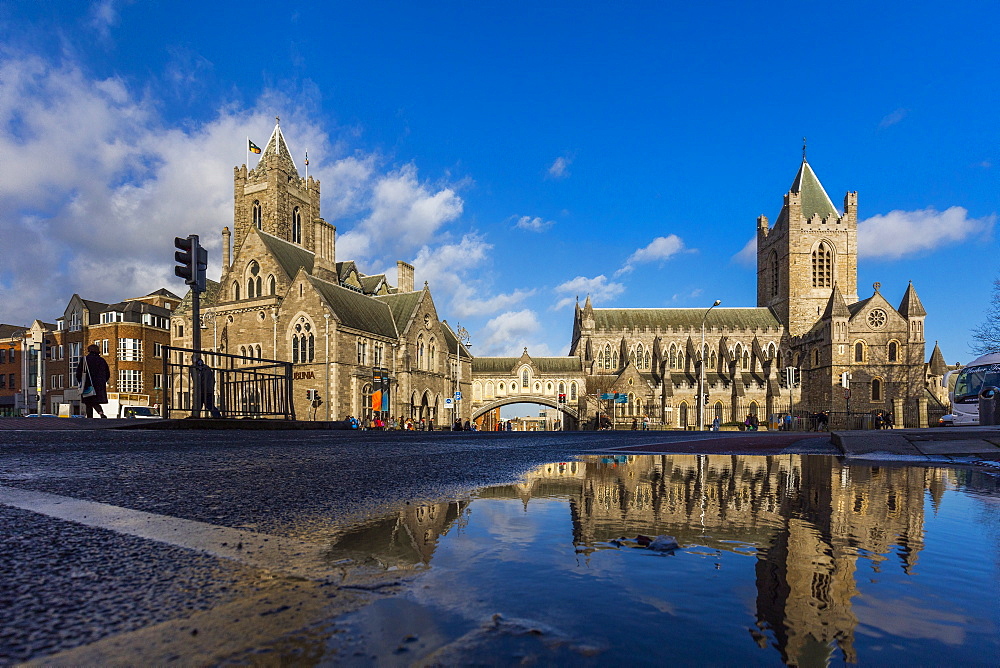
point(248, 152)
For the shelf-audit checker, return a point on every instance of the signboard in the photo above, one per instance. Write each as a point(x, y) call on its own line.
point(621, 399)
point(458, 396)
point(607, 396)
point(448, 402)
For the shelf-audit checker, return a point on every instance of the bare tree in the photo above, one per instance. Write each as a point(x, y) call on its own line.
point(986, 337)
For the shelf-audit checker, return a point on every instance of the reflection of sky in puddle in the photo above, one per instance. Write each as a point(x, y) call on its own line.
point(794, 558)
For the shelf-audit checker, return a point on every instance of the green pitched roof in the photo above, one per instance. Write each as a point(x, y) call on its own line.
point(290, 256)
point(505, 365)
point(684, 318)
point(357, 311)
point(813, 196)
point(401, 306)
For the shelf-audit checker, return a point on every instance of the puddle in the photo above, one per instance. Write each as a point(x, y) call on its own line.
point(797, 559)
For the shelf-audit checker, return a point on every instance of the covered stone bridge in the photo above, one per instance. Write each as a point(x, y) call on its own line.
point(499, 381)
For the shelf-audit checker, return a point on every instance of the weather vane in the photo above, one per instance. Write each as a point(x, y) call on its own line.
point(803, 148)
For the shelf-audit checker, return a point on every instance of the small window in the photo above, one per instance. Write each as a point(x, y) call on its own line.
point(859, 352)
point(893, 351)
point(876, 389)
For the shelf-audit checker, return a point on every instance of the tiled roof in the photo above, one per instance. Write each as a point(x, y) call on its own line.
point(813, 196)
point(505, 365)
point(616, 319)
point(7, 331)
point(402, 306)
point(290, 256)
point(357, 311)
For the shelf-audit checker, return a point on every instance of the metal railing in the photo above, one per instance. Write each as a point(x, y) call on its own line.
point(238, 386)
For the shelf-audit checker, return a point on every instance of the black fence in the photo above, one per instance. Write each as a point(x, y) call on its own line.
point(230, 386)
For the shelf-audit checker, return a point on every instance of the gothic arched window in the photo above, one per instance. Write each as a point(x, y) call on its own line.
point(272, 285)
point(822, 266)
point(258, 218)
point(572, 391)
point(524, 378)
point(253, 280)
point(876, 389)
point(607, 356)
point(859, 352)
point(296, 225)
point(893, 351)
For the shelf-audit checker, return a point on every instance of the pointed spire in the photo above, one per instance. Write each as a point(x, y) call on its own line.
point(813, 196)
point(587, 304)
point(278, 147)
point(938, 366)
point(837, 306)
point(911, 307)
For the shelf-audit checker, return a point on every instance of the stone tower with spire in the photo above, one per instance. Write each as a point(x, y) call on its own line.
point(274, 198)
point(811, 248)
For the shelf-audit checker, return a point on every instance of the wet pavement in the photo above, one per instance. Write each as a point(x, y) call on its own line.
point(204, 547)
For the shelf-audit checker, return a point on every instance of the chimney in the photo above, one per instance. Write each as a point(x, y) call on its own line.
point(226, 234)
point(404, 276)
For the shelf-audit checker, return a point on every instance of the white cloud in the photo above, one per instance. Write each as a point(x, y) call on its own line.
point(535, 224)
point(94, 186)
point(598, 288)
point(900, 233)
point(405, 215)
point(893, 118)
point(452, 271)
point(103, 17)
point(659, 249)
point(510, 333)
point(560, 167)
point(748, 254)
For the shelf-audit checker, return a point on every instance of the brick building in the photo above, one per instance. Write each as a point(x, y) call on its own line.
point(11, 347)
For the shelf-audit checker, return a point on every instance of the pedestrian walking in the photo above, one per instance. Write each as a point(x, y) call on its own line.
point(93, 374)
point(203, 383)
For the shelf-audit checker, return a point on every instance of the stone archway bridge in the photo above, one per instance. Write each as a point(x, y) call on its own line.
point(500, 381)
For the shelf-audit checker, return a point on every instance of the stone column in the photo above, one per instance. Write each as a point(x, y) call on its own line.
point(897, 412)
point(922, 409)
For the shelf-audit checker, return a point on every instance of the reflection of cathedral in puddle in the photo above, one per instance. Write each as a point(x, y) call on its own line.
point(403, 540)
point(810, 517)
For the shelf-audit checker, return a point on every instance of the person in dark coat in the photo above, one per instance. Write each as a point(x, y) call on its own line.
point(95, 370)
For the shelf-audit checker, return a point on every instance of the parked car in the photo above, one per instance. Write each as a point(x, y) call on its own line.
point(142, 412)
point(42, 415)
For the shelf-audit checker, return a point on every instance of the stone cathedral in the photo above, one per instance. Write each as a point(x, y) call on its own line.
point(283, 295)
point(809, 317)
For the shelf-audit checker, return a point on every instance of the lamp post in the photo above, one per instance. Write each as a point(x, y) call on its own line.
point(461, 337)
point(701, 376)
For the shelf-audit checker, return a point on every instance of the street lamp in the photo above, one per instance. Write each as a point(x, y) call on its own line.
point(701, 376)
point(461, 337)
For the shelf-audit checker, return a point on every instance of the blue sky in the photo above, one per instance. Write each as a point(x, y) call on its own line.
point(520, 154)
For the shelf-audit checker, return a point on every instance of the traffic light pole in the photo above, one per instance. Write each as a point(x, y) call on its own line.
point(193, 263)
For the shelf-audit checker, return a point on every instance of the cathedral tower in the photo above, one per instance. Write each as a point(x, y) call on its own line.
point(811, 248)
point(274, 198)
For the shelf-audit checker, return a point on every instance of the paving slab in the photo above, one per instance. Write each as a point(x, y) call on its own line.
point(949, 447)
point(854, 443)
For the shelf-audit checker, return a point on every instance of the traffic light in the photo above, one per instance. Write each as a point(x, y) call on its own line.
point(193, 261)
point(310, 395)
point(562, 398)
point(185, 257)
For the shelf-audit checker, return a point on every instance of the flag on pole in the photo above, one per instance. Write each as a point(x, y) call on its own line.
point(253, 148)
